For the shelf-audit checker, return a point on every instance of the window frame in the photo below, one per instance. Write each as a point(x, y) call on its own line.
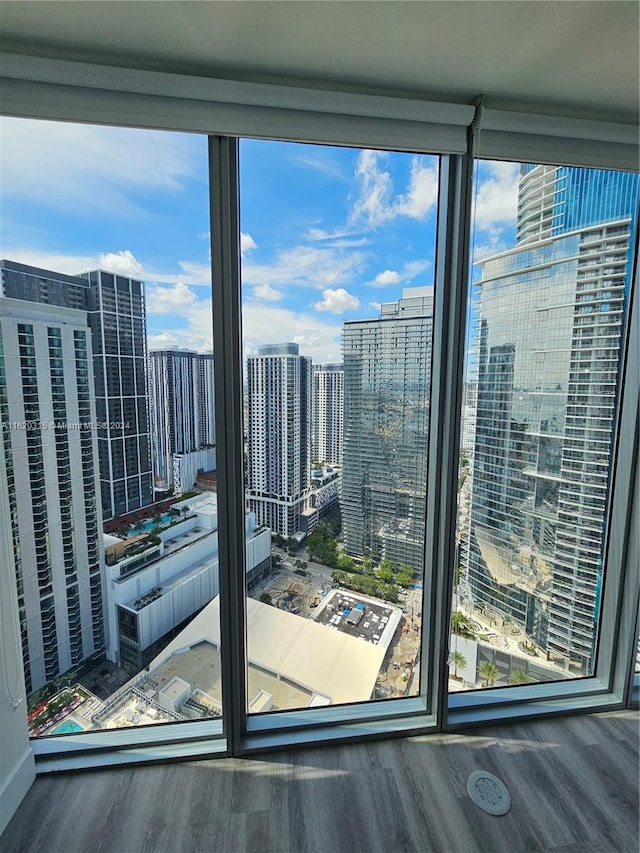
point(225, 111)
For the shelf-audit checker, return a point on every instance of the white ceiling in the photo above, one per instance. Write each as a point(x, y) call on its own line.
point(580, 58)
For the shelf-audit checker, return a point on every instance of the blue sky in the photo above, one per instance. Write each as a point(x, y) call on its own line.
point(327, 233)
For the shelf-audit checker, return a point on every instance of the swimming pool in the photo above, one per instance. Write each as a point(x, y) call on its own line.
point(66, 728)
point(150, 524)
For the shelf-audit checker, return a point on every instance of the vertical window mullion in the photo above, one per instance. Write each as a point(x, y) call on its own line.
point(450, 307)
point(225, 268)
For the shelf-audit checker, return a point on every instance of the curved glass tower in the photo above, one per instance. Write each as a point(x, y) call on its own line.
point(551, 321)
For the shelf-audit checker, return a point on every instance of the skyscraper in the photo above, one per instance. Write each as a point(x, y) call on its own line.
point(387, 370)
point(279, 436)
point(551, 320)
point(328, 411)
point(115, 307)
point(182, 419)
point(118, 325)
point(49, 476)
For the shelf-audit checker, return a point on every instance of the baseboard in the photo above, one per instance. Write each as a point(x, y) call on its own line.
point(15, 787)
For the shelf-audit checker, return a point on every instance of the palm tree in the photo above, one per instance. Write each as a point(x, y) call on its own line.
point(461, 626)
point(488, 671)
point(519, 677)
point(458, 660)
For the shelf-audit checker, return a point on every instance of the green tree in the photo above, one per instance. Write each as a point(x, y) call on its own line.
point(265, 598)
point(519, 677)
point(405, 576)
point(489, 672)
point(346, 563)
point(461, 626)
point(458, 660)
point(385, 573)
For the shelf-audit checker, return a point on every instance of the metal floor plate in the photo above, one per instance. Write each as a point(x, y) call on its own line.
point(488, 792)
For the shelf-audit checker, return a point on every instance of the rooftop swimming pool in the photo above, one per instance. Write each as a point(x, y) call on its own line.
point(150, 524)
point(66, 728)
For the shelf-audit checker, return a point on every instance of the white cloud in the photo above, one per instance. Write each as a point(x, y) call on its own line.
point(375, 305)
point(247, 243)
point(422, 194)
point(317, 338)
point(386, 277)
point(376, 189)
point(377, 202)
point(121, 263)
point(266, 293)
point(337, 301)
point(322, 164)
point(305, 266)
point(169, 300)
point(406, 275)
point(493, 246)
point(413, 268)
point(163, 340)
point(86, 167)
point(496, 201)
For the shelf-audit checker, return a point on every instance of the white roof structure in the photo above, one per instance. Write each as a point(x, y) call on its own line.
point(318, 658)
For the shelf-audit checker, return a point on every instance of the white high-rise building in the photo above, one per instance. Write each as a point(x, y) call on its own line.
point(328, 409)
point(49, 476)
point(279, 436)
point(181, 390)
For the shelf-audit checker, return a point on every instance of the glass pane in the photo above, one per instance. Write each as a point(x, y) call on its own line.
point(549, 300)
point(106, 398)
point(337, 273)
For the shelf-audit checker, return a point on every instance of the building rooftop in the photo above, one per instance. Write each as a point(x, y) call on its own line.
point(340, 610)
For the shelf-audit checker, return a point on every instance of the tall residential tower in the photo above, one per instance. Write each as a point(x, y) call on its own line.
point(387, 370)
point(182, 418)
point(49, 484)
point(328, 411)
point(279, 436)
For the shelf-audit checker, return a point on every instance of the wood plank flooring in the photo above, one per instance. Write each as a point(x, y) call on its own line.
point(573, 784)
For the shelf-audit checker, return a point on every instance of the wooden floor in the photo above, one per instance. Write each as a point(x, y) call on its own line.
point(573, 785)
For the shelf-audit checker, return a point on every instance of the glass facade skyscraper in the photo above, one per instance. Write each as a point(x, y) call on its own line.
point(552, 317)
point(115, 311)
point(387, 370)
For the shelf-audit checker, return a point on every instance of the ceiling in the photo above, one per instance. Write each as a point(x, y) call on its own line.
point(577, 58)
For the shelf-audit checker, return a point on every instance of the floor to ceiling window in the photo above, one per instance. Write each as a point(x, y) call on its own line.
point(107, 406)
point(338, 257)
point(301, 549)
point(549, 305)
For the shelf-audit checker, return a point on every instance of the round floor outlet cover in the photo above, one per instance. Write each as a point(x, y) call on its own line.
point(488, 792)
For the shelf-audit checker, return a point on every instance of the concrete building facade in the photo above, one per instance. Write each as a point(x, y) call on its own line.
point(279, 436)
point(328, 413)
point(181, 397)
point(49, 473)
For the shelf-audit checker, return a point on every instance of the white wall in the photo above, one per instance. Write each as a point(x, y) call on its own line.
point(17, 767)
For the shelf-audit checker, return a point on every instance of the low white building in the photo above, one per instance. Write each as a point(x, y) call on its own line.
point(153, 593)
